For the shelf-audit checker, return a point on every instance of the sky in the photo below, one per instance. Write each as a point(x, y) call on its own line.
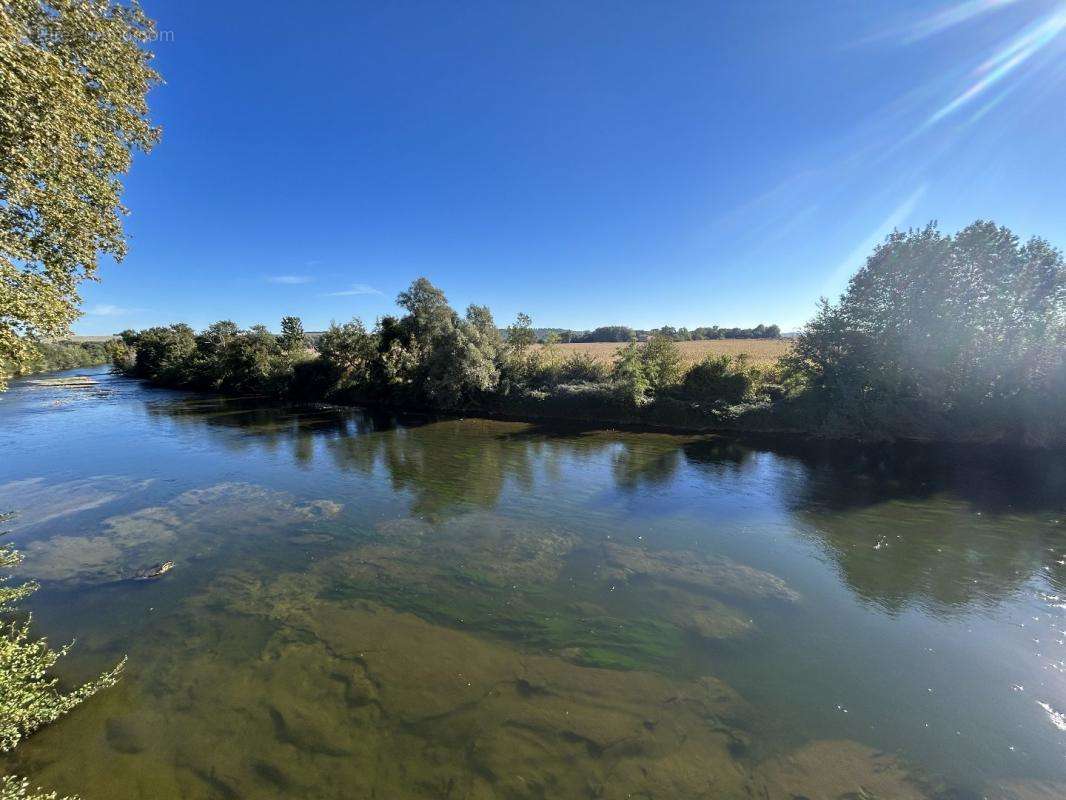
point(588, 163)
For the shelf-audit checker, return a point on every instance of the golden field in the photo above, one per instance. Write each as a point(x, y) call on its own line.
point(760, 351)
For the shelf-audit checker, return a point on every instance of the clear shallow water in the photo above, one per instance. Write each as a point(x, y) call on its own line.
point(366, 607)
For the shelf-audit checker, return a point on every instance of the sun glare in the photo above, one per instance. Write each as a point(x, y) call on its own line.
point(1009, 60)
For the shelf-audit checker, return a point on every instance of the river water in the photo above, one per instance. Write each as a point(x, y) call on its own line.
point(365, 606)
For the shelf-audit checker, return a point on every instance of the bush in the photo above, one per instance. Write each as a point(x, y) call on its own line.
point(582, 367)
point(628, 377)
point(661, 360)
point(719, 379)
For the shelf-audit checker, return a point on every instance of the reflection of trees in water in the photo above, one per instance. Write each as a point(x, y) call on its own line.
point(937, 554)
point(975, 525)
point(942, 528)
point(639, 466)
point(841, 476)
point(248, 424)
point(444, 464)
point(938, 528)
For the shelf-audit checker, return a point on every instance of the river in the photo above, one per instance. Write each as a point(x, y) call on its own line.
point(366, 606)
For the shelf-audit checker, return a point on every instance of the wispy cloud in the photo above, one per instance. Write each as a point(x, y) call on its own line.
point(108, 310)
point(289, 280)
point(356, 289)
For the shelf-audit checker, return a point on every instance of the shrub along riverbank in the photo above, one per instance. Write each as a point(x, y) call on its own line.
point(943, 338)
point(54, 356)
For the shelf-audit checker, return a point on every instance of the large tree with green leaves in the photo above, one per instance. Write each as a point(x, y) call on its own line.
point(74, 75)
point(946, 336)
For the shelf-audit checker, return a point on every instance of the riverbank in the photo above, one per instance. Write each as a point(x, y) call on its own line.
point(773, 425)
point(59, 356)
point(834, 382)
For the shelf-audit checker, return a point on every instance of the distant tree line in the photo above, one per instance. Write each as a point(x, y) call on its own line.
point(52, 356)
point(937, 337)
point(623, 333)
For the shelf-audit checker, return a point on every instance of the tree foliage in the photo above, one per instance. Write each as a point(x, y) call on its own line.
point(629, 376)
point(720, 379)
point(662, 362)
point(621, 333)
point(51, 356)
point(938, 333)
point(348, 351)
point(520, 333)
point(609, 333)
point(29, 696)
point(74, 75)
point(431, 356)
point(14, 788)
point(293, 338)
point(937, 337)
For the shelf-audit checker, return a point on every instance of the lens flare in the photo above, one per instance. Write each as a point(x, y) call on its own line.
point(955, 15)
point(1017, 52)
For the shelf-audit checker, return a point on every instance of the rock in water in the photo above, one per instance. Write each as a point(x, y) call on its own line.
point(71, 381)
point(155, 571)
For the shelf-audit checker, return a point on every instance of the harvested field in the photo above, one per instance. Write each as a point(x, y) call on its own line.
point(761, 351)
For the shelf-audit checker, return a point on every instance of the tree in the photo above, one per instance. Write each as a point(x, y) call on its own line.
point(253, 363)
point(348, 350)
point(164, 354)
point(212, 365)
point(74, 76)
point(610, 333)
point(945, 334)
point(484, 332)
point(293, 339)
point(427, 308)
point(661, 360)
point(630, 380)
point(520, 333)
point(433, 355)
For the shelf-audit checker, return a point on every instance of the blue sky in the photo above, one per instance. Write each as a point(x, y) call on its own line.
point(589, 163)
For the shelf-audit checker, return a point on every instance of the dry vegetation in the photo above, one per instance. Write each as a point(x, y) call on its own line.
point(761, 351)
